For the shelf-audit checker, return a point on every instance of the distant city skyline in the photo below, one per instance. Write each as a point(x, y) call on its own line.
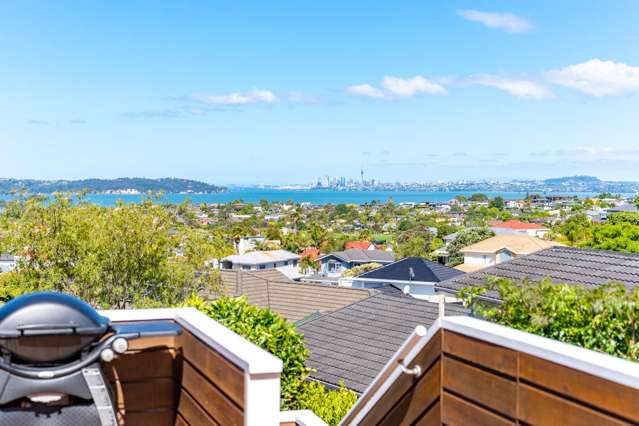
point(281, 93)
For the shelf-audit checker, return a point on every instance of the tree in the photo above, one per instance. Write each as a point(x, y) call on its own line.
point(617, 237)
point(464, 239)
point(628, 218)
point(497, 203)
point(576, 229)
point(317, 235)
point(414, 242)
point(307, 264)
point(134, 254)
point(603, 319)
point(479, 197)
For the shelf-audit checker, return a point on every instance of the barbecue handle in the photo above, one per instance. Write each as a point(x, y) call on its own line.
point(65, 370)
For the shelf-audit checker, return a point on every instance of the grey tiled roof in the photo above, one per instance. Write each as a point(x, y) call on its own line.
point(355, 342)
point(624, 208)
point(560, 264)
point(294, 301)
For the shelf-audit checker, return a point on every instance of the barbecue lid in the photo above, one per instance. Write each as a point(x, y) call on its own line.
point(49, 313)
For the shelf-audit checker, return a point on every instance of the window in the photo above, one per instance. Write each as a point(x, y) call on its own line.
point(334, 266)
point(262, 266)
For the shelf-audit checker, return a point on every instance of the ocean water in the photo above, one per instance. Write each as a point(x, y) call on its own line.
point(318, 197)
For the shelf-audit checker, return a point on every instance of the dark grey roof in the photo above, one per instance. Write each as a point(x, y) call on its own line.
point(413, 269)
point(354, 343)
point(624, 208)
point(560, 264)
point(363, 256)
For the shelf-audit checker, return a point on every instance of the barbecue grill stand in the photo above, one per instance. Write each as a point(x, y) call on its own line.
point(52, 346)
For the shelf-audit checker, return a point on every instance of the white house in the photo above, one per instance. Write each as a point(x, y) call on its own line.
point(259, 260)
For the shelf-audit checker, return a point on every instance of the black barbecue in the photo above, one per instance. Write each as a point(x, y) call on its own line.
point(52, 348)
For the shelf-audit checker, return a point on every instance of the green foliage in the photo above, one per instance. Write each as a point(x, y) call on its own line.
point(414, 242)
point(307, 264)
point(617, 237)
point(267, 330)
point(134, 254)
point(279, 337)
point(360, 269)
point(330, 405)
point(478, 197)
point(603, 319)
point(497, 203)
point(576, 230)
point(623, 217)
point(463, 239)
point(619, 233)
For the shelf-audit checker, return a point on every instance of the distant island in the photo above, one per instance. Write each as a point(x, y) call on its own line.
point(110, 186)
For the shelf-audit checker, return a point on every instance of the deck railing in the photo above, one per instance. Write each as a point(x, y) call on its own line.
point(206, 376)
point(475, 372)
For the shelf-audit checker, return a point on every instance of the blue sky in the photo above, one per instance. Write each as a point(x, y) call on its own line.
point(282, 92)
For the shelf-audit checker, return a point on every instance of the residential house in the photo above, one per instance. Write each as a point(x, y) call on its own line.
point(334, 264)
point(363, 245)
point(560, 264)
point(500, 248)
point(517, 227)
point(412, 275)
point(355, 342)
point(259, 260)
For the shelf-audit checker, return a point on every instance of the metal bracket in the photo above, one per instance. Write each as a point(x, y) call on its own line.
point(415, 371)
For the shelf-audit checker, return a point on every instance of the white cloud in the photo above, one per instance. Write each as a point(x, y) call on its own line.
point(506, 21)
point(519, 88)
point(411, 86)
point(395, 87)
point(366, 90)
point(253, 97)
point(598, 78)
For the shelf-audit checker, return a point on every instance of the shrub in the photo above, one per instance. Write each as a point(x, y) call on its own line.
point(267, 330)
point(603, 319)
point(279, 337)
point(331, 405)
point(360, 269)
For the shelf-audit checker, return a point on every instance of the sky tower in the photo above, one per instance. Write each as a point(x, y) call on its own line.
point(362, 174)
